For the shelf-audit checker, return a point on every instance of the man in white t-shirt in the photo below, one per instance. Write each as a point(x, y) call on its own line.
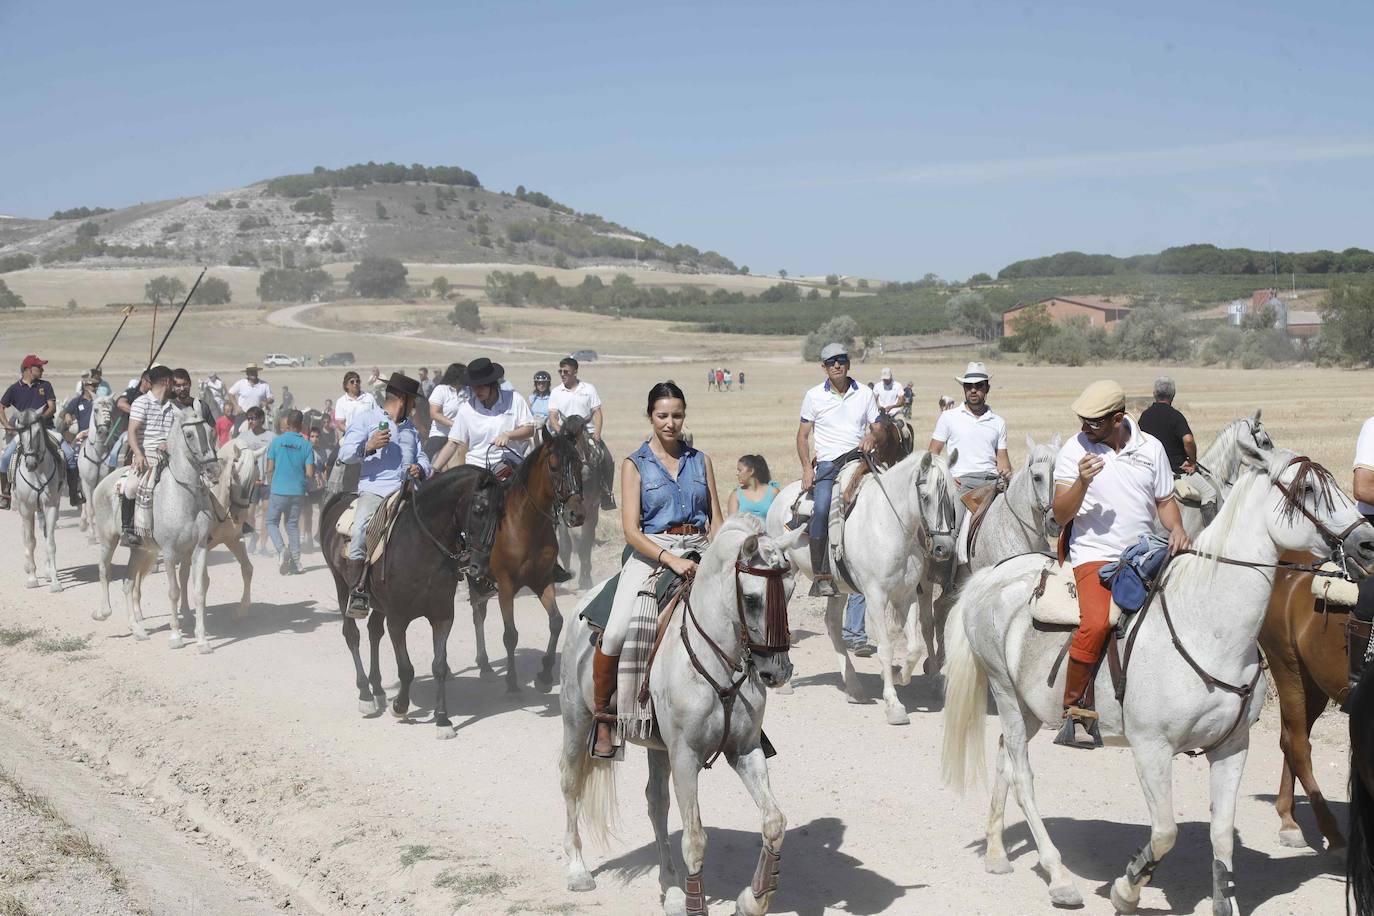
point(493, 429)
point(844, 416)
point(891, 396)
point(978, 434)
point(575, 398)
point(250, 391)
point(1111, 481)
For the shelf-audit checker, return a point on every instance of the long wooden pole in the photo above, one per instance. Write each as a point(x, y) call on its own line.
point(128, 310)
point(173, 325)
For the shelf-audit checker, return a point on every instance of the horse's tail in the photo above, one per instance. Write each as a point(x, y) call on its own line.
point(1359, 862)
point(598, 807)
point(966, 685)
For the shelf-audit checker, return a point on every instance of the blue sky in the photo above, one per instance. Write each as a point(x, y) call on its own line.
point(879, 139)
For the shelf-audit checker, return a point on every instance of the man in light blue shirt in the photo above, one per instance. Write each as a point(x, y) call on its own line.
point(389, 448)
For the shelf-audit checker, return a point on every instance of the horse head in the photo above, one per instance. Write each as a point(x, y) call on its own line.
point(1306, 511)
point(893, 441)
point(1256, 431)
point(562, 459)
point(764, 580)
point(32, 437)
point(190, 448)
point(1039, 471)
point(238, 475)
point(936, 495)
point(102, 415)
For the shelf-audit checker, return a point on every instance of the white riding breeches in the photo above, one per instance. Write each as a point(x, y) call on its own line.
point(632, 578)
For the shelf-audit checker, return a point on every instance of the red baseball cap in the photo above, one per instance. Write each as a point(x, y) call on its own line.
point(32, 360)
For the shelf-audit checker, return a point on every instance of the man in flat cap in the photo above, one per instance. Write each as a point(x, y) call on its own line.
point(1111, 481)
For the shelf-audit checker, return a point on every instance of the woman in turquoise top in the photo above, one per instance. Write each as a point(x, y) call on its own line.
point(668, 507)
point(753, 495)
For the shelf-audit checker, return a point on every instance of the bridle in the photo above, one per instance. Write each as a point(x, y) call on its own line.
point(1041, 510)
point(566, 479)
point(33, 445)
point(777, 637)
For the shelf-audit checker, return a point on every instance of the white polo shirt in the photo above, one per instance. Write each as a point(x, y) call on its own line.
point(977, 438)
point(889, 397)
point(477, 425)
point(1364, 457)
point(250, 395)
point(444, 401)
point(840, 421)
point(579, 401)
point(1120, 504)
point(347, 405)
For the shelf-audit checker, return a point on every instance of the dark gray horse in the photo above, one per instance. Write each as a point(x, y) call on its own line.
point(432, 545)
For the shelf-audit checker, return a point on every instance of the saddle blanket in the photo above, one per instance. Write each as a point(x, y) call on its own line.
point(144, 485)
point(1335, 589)
point(1057, 603)
point(377, 528)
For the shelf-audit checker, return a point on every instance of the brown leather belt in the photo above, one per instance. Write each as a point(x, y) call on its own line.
point(684, 529)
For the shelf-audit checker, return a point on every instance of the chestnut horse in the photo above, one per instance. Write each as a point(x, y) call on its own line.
point(1308, 662)
point(546, 487)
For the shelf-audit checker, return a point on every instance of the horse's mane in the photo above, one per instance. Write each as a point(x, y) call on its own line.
point(562, 446)
point(1222, 457)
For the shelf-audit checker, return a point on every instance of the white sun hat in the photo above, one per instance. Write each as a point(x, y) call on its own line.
point(886, 374)
point(975, 373)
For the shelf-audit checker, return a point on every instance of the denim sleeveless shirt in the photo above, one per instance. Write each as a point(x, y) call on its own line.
point(665, 502)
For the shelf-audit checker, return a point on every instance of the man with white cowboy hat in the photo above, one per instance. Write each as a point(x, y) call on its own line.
point(891, 395)
point(1110, 482)
point(250, 391)
point(844, 415)
point(979, 435)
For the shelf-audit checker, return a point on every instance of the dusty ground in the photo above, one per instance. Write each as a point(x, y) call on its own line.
point(261, 745)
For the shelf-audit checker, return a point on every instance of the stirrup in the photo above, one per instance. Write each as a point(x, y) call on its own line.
point(617, 746)
point(130, 538)
point(1076, 717)
point(359, 605)
point(823, 587)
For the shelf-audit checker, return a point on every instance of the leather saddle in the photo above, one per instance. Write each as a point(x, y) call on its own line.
point(977, 502)
point(378, 529)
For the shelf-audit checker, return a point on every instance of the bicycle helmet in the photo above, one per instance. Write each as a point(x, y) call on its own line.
point(542, 376)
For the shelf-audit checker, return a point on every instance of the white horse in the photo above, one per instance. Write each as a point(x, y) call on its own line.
point(40, 475)
point(1018, 521)
point(1281, 503)
point(896, 541)
point(183, 517)
point(731, 630)
point(92, 459)
point(1221, 463)
point(238, 474)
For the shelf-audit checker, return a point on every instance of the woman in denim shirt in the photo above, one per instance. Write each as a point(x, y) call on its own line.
point(668, 507)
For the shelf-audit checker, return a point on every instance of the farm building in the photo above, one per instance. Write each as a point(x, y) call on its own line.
point(1101, 312)
point(1258, 302)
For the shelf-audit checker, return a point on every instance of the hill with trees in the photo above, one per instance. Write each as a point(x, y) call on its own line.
point(1186, 260)
point(411, 213)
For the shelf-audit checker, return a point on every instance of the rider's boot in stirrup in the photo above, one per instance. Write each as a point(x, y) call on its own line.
point(129, 537)
point(603, 688)
point(359, 602)
point(1080, 719)
point(1358, 644)
point(74, 487)
point(822, 583)
point(4, 490)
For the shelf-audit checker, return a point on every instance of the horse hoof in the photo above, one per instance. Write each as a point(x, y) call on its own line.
point(486, 674)
point(675, 902)
point(926, 667)
point(582, 882)
point(204, 648)
point(1336, 849)
point(55, 586)
point(445, 732)
point(31, 582)
point(1292, 839)
point(399, 711)
point(856, 699)
point(997, 865)
point(175, 642)
point(1066, 896)
point(543, 682)
point(368, 707)
point(902, 676)
point(512, 689)
point(141, 636)
point(1120, 903)
point(897, 716)
point(100, 614)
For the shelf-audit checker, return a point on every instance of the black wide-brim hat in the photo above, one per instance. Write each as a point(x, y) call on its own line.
point(482, 371)
point(403, 385)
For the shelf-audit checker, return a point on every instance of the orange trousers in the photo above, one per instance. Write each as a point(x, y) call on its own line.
point(1094, 607)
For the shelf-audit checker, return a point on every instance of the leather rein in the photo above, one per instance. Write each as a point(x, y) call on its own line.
point(777, 637)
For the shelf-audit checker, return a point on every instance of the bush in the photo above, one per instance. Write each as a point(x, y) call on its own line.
point(71, 305)
point(249, 223)
point(173, 228)
point(289, 285)
point(1153, 332)
point(243, 259)
point(19, 261)
point(223, 203)
point(466, 315)
point(1221, 347)
point(80, 213)
point(87, 231)
point(336, 246)
point(1348, 323)
point(420, 207)
point(1265, 347)
point(840, 329)
point(1076, 343)
point(970, 314)
point(520, 232)
point(241, 205)
point(832, 279)
point(8, 298)
point(440, 287)
point(381, 211)
point(164, 290)
point(212, 291)
point(377, 277)
point(318, 204)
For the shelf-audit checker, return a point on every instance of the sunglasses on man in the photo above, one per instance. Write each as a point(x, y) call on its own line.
point(1096, 423)
point(836, 361)
point(975, 386)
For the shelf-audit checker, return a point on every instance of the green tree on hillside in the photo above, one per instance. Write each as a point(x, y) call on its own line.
point(1348, 323)
point(1033, 327)
point(8, 298)
point(288, 285)
point(87, 231)
point(466, 315)
point(164, 290)
point(376, 277)
point(441, 287)
point(212, 291)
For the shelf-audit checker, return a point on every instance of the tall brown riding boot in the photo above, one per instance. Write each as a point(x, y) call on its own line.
point(604, 669)
point(1080, 720)
point(359, 602)
point(822, 583)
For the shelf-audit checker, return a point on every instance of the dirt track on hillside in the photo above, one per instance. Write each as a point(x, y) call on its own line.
point(260, 745)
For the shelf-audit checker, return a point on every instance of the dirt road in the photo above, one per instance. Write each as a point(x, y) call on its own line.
point(260, 747)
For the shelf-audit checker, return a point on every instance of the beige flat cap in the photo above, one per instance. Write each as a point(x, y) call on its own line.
point(1099, 399)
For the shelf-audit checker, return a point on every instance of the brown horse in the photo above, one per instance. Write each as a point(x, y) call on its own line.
point(546, 487)
point(1308, 661)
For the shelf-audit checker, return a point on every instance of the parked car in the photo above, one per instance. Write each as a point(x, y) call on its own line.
point(281, 359)
point(584, 356)
point(343, 358)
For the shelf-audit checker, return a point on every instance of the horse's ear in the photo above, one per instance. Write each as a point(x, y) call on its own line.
point(749, 549)
point(1030, 444)
point(790, 539)
point(926, 460)
point(1251, 455)
point(1056, 443)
